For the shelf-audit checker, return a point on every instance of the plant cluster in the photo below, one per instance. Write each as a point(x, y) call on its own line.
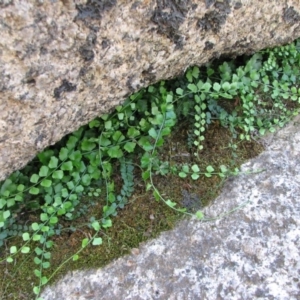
point(249, 98)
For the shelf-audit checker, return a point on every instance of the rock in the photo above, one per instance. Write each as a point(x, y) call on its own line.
point(250, 251)
point(62, 63)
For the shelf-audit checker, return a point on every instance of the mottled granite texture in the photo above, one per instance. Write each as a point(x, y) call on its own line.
point(62, 63)
point(253, 253)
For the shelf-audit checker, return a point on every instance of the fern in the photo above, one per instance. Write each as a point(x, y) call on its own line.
point(126, 168)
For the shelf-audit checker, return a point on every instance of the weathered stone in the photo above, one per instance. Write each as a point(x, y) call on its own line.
point(62, 63)
point(252, 250)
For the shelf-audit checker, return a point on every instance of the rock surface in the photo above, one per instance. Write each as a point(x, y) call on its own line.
point(62, 63)
point(251, 253)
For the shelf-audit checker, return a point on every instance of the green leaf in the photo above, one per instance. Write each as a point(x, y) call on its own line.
point(45, 156)
point(64, 193)
point(70, 185)
point(226, 86)
point(72, 141)
point(146, 175)
point(35, 226)
point(13, 249)
point(34, 178)
point(206, 86)
point(195, 72)
point(75, 156)
point(226, 95)
point(36, 289)
point(19, 197)
point(84, 242)
point(67, 166)
point(133, 132)
point(223, 169)
point(46, 183)
point(195, 176)
point(108, 125)
point(145, 143)
point(10, 202)
point(169, 98)
point(50, 210)
point(209, 169)
point(165, 131)
point(44, 280)
point(21, 187)
point(96, 225)
point(111, 197)
point(170, 203)
point(36, 237)
point(192, 87)
point(44, 217)
point(2, 202)
point(185, 168)
point(197, 132)
point(43, 171)
point(152, 132)
point(53, 220)
point(97, 241)
point(94, 123)
point(58, 174)
point(105, 117)
point(189, 75)
point(118, 136)
point(148, 187)
point(9, 259)
point(53, 162)
point(57, 201)
point(156, 195)
point(34, 191)
point(115, 152)
point(179, 91)
point(87, 145)
point(79, 189)
point(86, 179)
point(25, 236)
point(49, 244)
point(46, 265)
point(63, 153)
point(121, 116)
point(262, 131)
point(106, 223)
point(25, 249)
point(129, 147)
point(199, 215)
point(216, 87)
point(57, 188)
point(45, 228)
point(195, 168)
point(104, 142)
point(37, 260)
point(154, 110)
point(75, 257)
point(182, 174)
